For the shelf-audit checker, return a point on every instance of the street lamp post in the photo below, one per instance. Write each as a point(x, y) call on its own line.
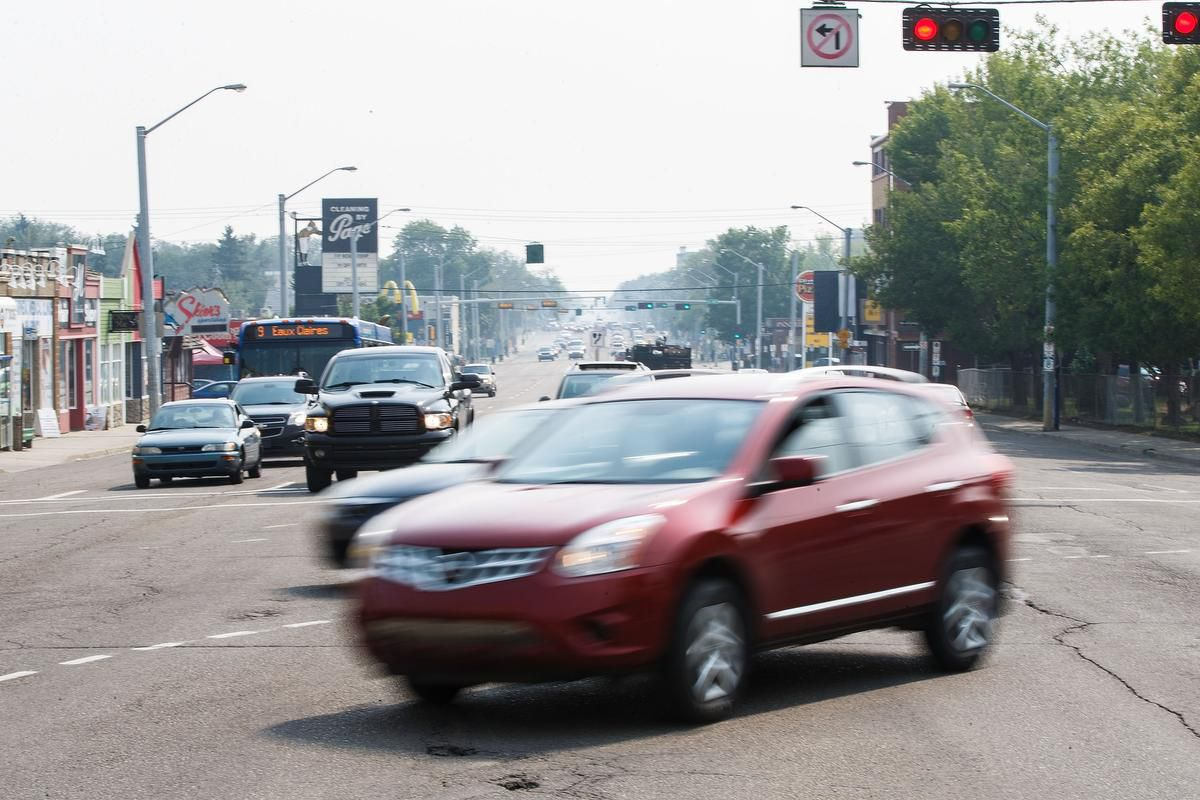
point(283, 259)
point(467, 347)
point(882, 169)
point(845, 312)
point(1049, 356)
point(150, 343)
point(758, 330)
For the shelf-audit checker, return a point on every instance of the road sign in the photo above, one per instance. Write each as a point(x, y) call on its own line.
point(828, 37)
point(1048, 363)
point(937, 350)
point(843, 338)
point(804, 286)
point(597, 338)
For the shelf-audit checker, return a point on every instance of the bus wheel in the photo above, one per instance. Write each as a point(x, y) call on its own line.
point(316, 478)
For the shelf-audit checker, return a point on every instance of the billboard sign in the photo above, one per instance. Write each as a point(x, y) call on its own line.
point(343, 219)
point(198, 311)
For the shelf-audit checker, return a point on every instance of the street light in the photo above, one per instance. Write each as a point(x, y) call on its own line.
point(355, 232)
point(758, 331)
point(847, 234)
point(283, 259)
point(153, 349)
point(1049, 373)
point(882, 169)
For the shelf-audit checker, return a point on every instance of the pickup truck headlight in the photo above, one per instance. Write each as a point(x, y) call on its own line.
point(611, 547)
point(147, 451)
point(436, 422)
point(297, 418)
point(219, 448)
point(316, 424)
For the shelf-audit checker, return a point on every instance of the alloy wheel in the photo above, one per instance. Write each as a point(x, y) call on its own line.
point(970, 610)
point(716, 652)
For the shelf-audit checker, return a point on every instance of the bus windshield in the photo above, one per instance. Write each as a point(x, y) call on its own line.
point(288, 358)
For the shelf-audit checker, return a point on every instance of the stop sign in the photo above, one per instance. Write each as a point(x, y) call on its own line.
point(804, 286)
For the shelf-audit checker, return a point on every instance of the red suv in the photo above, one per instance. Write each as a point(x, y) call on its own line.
point(678, 526)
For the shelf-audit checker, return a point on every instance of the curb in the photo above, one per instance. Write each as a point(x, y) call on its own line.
point(111, 451)
point(1146, 452)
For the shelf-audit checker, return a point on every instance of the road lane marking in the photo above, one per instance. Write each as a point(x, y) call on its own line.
point(1101, 556)
point(232, 634)
point(280, 486)
point(306, 624)
point(84, 660)
point(1020, 559)
point(159, 646)
point(284, 525)
point(1165, 552)
point(243, 541)
point(59, 496)
point(149, 510)
point(12, 676)
point(1102, 500)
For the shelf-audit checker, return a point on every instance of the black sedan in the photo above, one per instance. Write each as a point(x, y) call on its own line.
point(465, 458)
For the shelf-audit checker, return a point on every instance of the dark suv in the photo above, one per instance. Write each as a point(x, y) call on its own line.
point(278, 409)
point(379, 408)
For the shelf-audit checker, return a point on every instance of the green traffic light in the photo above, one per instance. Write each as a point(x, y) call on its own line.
point(979, 31)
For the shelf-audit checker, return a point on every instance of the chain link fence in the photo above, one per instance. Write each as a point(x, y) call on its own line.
point(1103, 399)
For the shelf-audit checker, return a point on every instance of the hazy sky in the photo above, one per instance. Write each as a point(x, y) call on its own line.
point(613, 132)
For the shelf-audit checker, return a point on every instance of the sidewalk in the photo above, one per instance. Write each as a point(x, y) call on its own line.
point(1128, 444)
point(69, 447)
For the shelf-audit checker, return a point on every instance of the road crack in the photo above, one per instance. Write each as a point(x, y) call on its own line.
point(1081, 625)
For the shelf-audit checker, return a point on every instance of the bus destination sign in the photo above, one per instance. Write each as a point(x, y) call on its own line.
point(297, 330)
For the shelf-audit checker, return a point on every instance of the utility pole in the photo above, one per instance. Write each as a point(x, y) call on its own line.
point(283, 279)
point(403, 299)
point(354, 271)
point(792, 303)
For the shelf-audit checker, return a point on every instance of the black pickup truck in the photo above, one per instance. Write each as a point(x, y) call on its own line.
point(382, 407)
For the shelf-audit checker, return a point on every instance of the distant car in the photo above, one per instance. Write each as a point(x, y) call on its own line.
point(352, 503)
point(576, 353)
point(585, 377)
point(196, 439)
point(547, 354)
point(681, 526)
point(487, 378)
point(278, 410)
point(213, 390)
point(950, 394)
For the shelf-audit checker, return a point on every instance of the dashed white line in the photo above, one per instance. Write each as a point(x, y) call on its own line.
point(84, 660)
point(12, 676)
point(1165, 552)
point(1074, 556)
point(1101, 556)
point(243, 541)
point(284, 525)
point(59, 496)
point(1020, 559)
point(232, 634)
point(159, 646)
point(306, 624)
point(280, 486)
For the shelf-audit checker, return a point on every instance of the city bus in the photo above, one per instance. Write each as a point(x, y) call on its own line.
point(294, 345)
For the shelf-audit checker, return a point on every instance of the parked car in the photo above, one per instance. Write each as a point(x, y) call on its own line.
point(379, 408)
point(213, 390)
point(195, 439)
point(678, 527)
point(470, 456)
point(487, 378)
point(278, 410)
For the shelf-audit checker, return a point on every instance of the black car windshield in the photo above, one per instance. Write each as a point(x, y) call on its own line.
point(493, 436)
point(266, 393)
point(580, 384)
point(637, 441)
point(404, 368)
point(192, 416)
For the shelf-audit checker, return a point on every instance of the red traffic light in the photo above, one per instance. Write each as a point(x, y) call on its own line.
point(951, 29)
point(1181, 23)
point(925, 29)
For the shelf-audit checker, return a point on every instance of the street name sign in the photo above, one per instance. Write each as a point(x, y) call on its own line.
point(828, 37)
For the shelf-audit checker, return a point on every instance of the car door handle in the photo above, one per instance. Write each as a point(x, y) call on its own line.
point(857, 505)
point(944, 486)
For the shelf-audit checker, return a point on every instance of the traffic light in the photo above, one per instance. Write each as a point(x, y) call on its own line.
point(549, 304)
point(953, 29)
point(535, 254)
point(683, 306)
point(1181, 23)
point(664, 305)
point(737, 334)
point(579, 312)
point(631, 308)
point(505, 306)
point(645, 306)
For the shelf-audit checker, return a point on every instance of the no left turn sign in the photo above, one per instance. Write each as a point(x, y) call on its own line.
point(828, 37)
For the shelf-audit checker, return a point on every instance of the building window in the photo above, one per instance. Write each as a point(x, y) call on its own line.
point(111, 373)
point(64, 312)
point(89, 371)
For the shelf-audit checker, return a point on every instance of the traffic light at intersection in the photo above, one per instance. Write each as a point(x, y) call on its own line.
point(535, 254)
point(645, 306)
point(683, 306)
point(1181, 23)
point(953, 29)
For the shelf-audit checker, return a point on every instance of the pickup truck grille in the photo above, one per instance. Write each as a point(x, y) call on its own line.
point(378, 418)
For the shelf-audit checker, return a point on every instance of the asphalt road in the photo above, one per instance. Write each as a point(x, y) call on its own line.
point(186, 641)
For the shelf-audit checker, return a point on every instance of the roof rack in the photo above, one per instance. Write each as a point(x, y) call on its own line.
point(861, 370)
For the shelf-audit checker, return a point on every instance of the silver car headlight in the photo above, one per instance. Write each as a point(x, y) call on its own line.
point(611, 547)
point(219, 448)
point(147, 451)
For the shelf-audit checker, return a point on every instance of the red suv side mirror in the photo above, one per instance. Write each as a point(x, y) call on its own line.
point(789, 472)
